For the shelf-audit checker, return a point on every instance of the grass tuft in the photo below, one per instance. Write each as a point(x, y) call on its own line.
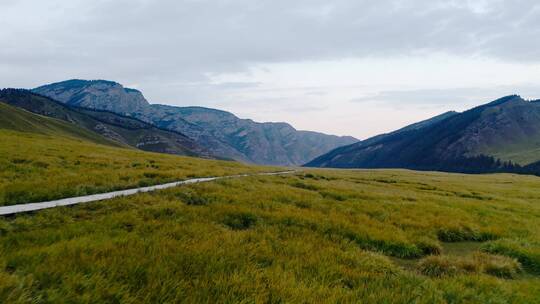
point(240, 221)
point(523, 251)
point(429, 247)
point(462, 234)
point(495, 265)
point(193, 199)
point(437, 266)
point(305, 186)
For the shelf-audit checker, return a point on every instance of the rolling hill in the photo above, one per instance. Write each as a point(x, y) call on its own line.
point(15, 119)
point(491, 137)
point(124, 130)
point(220, 132)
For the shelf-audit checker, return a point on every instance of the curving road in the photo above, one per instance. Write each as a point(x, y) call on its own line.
point(14, 209)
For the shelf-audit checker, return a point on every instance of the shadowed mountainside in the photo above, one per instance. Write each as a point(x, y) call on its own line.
point(491, 137)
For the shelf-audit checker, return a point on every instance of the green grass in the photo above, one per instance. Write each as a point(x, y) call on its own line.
point(525, 251)
point(39, 167)
point(319, 236)
point(15, 119)
point(496, 265)
point(524, 154)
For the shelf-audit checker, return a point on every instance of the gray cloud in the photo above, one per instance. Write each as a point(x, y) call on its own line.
point(460, 98)
point(316, 93)
point(171, 49)
point(185, 40)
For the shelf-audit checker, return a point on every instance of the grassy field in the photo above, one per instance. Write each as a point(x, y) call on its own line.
point(317, 236)
point(38, 167)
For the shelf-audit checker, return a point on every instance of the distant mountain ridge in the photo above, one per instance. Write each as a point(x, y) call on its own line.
point(220, 132)
point(499, 136)
point(123, 130)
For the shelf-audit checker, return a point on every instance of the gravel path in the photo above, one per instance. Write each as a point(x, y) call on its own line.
point(14, 209)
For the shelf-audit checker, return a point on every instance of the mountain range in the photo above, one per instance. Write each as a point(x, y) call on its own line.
point(500, 136)
point(503, 135)
point(221, 133)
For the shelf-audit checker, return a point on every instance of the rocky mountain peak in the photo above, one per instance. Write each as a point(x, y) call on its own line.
point(506, 100)
point(96, 94)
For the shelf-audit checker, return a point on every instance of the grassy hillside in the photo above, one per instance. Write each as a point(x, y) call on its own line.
point(123, 130)
point(522, 155)
point(48, 162)
point(12, 118)
point(318, 236)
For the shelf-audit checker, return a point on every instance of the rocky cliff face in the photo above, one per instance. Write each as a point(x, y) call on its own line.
point(263, 143)
point(220, 132)
point(95, 94)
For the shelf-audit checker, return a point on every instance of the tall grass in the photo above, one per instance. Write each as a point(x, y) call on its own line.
point(283, 239)
point(500, 266)
point(36, 167)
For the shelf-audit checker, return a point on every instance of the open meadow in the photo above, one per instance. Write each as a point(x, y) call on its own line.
point(334, 236)
point(39, 167)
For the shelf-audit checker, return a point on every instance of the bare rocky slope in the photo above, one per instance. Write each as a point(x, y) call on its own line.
point(220, 132)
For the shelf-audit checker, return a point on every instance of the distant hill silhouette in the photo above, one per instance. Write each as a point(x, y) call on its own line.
point(501, 136)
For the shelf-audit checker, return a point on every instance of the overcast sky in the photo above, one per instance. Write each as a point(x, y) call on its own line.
point(347, 67)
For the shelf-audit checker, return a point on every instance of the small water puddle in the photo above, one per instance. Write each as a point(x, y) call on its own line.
point(460, 249)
